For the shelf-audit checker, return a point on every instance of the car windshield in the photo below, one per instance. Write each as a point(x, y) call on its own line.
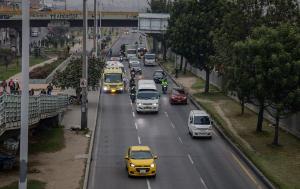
point(149, 56)
point(113, 78)
point(158, 74)
point(201, 120)
point(141, 155)
point(178, 92)
point(135, 64)
point(147, 95)
point(131, 51)
point(134, 59)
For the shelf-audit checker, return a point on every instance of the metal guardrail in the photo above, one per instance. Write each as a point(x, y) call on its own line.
point(40, 107)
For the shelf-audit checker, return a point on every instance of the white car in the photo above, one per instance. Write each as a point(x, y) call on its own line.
point(147, 97)
point(200, 124)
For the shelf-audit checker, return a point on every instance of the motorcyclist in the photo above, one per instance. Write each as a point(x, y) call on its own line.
point(132, 73)
point(131, 82)
point(132, 93)
point(164, 84)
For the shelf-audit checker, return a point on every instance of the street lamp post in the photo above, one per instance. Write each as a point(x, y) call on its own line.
point(95, 27)
point(25, 96)
point(84, 70)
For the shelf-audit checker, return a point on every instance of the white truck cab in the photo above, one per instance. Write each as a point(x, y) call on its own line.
point(200, 124)
point(147, 97)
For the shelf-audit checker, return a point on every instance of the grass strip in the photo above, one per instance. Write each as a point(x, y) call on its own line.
point(32, 184)
point(15, 67)
point(47, 140)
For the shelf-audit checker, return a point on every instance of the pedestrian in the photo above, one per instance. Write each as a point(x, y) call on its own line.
point(11, 86)
point(17, 86)
point(31, 92)
point(4, 85)
point(43, 92)
point(49, 89)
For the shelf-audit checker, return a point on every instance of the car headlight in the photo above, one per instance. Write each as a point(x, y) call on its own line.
point(210, 127)
point(132, 165)
point(152, 165)
point(155, 104)
point(105, 88)
point(121, 88)
point(139, 104)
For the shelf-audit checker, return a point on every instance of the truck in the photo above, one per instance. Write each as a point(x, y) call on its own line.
point(112, 80)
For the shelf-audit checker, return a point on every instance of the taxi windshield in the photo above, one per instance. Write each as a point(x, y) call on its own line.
point(113, 78)
point(141, 155)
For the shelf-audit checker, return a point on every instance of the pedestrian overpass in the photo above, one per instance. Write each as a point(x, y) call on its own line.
point(13, 18)
point(40, 107)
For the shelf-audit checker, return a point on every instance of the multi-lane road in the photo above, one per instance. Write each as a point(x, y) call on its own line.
point(183, 162)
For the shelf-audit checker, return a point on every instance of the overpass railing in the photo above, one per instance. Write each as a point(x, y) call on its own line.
point(40, 107)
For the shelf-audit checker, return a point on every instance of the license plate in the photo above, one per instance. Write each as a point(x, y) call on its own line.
point(142, 171)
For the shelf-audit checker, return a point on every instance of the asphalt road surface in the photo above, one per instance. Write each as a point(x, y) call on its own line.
point(183, 162)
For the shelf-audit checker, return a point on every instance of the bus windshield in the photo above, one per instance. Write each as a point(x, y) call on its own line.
point(113, 78)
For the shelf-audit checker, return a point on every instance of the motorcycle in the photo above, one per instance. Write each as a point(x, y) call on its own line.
point(132, 97)
point(164, 89)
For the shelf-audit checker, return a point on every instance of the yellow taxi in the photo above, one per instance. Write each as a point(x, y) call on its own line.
point(140, 161)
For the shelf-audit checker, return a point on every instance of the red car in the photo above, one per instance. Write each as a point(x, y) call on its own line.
point(178, 96)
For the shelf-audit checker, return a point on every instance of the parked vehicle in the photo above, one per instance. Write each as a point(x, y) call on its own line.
point(200, 124)
point(178, 96)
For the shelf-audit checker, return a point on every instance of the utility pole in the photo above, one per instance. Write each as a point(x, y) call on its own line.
point(25, 95)
point(65, 4)
point(84, 70)
point(100, 27)
point(95, 27)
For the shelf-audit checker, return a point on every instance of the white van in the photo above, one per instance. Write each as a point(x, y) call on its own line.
point(150, 60)
point(200, 124)
point(147, 97)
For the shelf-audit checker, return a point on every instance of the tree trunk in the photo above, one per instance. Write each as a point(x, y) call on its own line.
point(185, 65)
point(260, 117)
point(207, 80)
point(276, 134)
point(181, 62)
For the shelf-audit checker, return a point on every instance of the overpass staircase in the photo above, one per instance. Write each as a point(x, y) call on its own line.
point(40, 107)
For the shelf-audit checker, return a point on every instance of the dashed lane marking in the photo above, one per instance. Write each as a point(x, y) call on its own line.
point(166, 114)
point(203, 183)
point(148, 184)
point(190, 158)
point(139, 139)
point(133, 114)
point(180, 140)
point(172, 124)
point(136, 126)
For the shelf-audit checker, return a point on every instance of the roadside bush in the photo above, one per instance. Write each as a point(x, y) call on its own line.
point(43, 71)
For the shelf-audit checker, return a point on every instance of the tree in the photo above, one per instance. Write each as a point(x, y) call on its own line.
point(159, 6)
point(70, 77)
point(273, 55)
point(6, 55)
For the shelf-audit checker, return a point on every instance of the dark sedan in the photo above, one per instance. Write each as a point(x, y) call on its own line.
point(158, 75)
point(178, 96)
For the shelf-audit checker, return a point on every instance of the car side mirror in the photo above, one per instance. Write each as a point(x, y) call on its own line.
point(212, 122)
point(126, 157)
point(155, 157)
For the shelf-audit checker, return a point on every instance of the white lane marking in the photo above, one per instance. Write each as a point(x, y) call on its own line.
point(190, 158)
point(172, 124)
point(148, 184)
point(136, 126)
point(203, 183)
point(180, 140)
point(245, 169)
point(133, 114)
point(139, 139)
point(166, 114)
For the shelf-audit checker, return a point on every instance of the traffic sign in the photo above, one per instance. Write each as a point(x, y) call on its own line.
point(83, 83)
